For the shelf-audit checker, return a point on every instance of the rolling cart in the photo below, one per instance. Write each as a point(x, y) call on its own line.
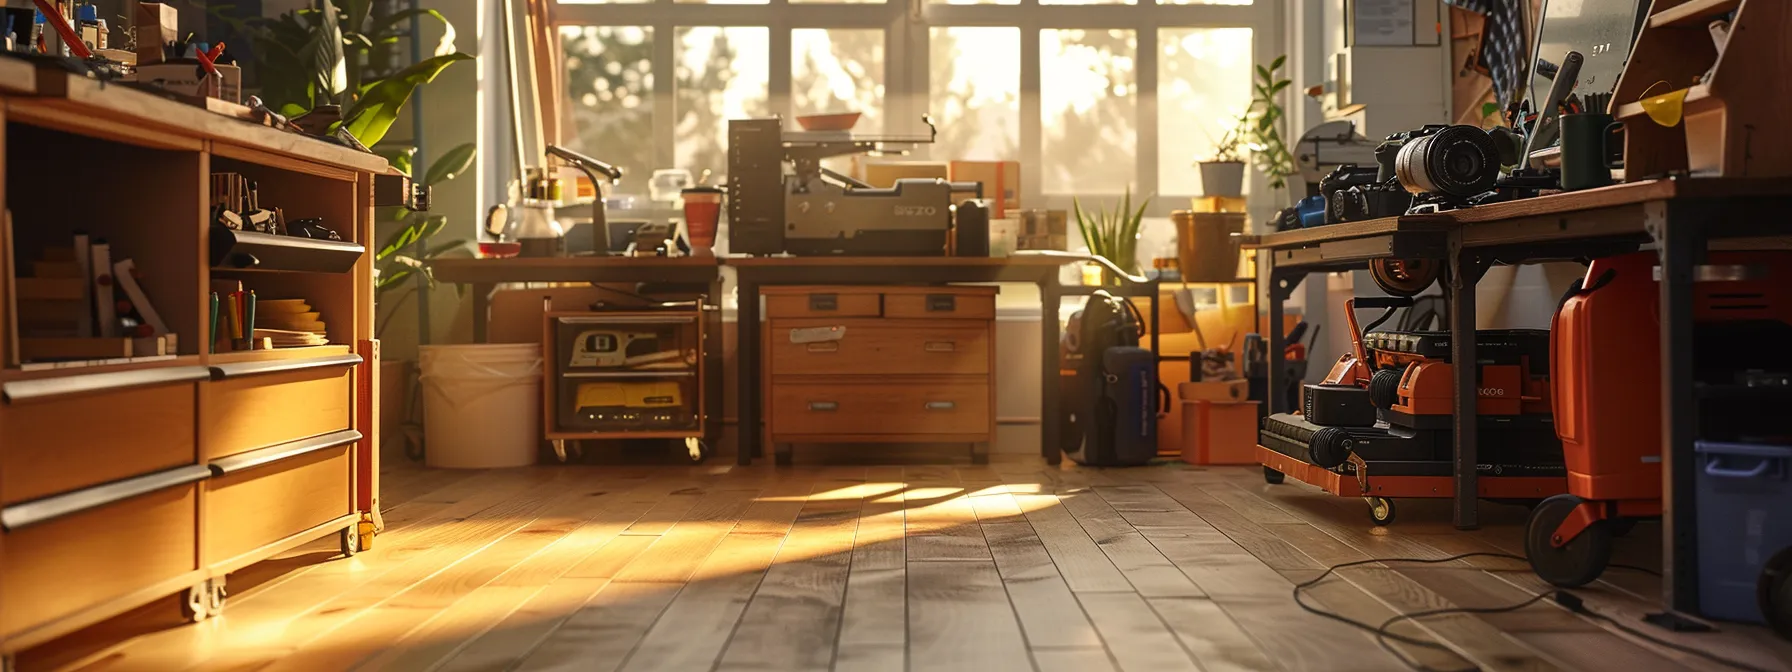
point(644, 372)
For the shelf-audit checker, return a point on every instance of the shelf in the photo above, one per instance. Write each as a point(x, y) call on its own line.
point(588, 375)
point(234, 250)
point(278, 354)
point(85, 367)
point(1694, 94)
point(622, 435)
point(1693, 14)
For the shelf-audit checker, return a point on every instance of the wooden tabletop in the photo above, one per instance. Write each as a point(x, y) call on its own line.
point(552, 269)
point(1016, 260)
point(17, 75)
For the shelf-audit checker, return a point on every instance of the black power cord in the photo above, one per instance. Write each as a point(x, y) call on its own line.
point(1384, 636)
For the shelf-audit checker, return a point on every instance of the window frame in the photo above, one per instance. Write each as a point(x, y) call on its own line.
point(906, 25)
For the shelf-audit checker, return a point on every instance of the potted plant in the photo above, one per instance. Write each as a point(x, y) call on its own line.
point(1258, 130)
point(1113, 235)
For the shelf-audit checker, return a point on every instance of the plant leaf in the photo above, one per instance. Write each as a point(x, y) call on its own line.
point(451, 164)
point(1264, 73)
point(437, 250)
point(371, 116)
point(357, 11)
point(444, 46)
point(398, 157)
point(1277, 64)
point(329, 65)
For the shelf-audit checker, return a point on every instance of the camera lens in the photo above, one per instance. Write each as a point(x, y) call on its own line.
point(1458, 161)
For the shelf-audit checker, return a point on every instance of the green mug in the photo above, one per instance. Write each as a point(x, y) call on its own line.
point(1589, 143)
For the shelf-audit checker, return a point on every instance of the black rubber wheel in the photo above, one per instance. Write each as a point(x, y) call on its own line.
point(1384, 388)
point(1776, 593)
point(1621, 527)
point(1576, 563)
point(697, 453)
point(1404, 277)
point(1381, 511)
point(1330, 447)
point(1273, 477)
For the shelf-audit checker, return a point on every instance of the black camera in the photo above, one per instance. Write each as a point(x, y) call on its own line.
point(1341, 179)
point(1382, 199)
point(1447, 166)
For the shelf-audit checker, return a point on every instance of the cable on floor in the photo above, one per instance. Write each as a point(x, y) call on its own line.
point(1385, 636)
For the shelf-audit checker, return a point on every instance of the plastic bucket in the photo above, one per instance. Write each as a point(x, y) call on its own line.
point(481, 405)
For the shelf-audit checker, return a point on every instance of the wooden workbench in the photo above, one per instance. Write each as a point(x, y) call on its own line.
point(1681, 217)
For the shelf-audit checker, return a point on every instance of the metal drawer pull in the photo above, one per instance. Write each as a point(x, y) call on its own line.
point(941, 346)
point(824, 406)
point(830, 346)
point(819, 302)
point(941, 303)
point(941, 405)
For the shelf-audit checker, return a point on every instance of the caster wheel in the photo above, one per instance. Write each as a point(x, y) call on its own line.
point(1381, 511)
point(1776, 593)
point(1273, 477)
point(1622, 527)
point(1576, 563)
point(1404, 277)
point(7, 664)
point(697, 450)
point(215, 598)
point(349, 542)
point(196, 602)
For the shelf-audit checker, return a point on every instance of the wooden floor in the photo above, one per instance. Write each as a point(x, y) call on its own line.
point(1013, 566)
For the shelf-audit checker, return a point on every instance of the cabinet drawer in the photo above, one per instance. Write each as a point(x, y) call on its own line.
point(262, 504)
point(881, 347)
point(861, 408)
point(945, 303)
point(63, 566)
point(64, 443)
point(822, 302)
point(244, 412)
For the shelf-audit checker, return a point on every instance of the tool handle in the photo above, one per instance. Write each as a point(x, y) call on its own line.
point(1712, 469)
point(1559, 88)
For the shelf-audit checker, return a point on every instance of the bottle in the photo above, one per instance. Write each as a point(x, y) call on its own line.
point(537, 230)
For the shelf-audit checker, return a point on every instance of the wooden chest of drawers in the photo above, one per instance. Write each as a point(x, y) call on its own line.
point(880, 364)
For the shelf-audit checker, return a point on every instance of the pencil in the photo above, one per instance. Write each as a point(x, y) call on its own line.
point(249, 322)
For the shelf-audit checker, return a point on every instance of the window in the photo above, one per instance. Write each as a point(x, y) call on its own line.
point(1093, 96)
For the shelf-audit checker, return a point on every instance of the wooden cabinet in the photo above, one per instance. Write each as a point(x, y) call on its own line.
point(127, 480)
point(873, 364)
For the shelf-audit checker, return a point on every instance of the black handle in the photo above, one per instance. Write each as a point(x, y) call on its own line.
point(1613, 132)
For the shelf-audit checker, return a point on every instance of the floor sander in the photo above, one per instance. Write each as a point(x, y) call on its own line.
point(1380, 425)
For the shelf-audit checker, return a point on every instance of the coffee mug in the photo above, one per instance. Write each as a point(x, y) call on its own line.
point(1589, 142)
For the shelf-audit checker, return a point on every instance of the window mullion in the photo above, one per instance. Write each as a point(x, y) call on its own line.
point(665, 112)
point(1145, 78)
point(1032, 126)
point(778, 78)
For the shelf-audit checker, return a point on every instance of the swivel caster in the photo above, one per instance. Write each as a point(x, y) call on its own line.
point(349, 541)
point(1578, 561)
point(215, 597)
point(203, 601)
point(1273, 477)
point(697, 449)
point(1381, 511)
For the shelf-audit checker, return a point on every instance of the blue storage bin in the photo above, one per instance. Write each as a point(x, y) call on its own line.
point(1745, 517)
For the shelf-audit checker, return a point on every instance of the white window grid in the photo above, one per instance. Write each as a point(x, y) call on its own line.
point(906, 25)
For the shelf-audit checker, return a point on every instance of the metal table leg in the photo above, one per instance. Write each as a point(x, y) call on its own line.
point(1678, 229)
point(1281, 286)
point(747, 356)
point(482, 303)
point(1051, 445)
point(1464, 272)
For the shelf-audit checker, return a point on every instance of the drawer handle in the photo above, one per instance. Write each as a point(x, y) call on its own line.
point(223, 371)
point(824, 406)
point(941, 346)
point(50, 388)
point(37, 512)
point(276, 453)
point(830, 346)
point(941, 405)
point(941, 303)
point(824, 302)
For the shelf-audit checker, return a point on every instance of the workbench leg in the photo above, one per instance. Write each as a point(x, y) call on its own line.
point(1281, 286)
point(1465, 271)
point(714, 391)
point(1051, 411)
point(482, 303)
point(746, 355)
point(1678, 230)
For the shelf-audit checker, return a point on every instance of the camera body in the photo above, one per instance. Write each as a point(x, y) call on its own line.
point(1354, 193)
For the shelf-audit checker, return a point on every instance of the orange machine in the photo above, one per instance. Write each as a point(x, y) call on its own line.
point(1606, 367)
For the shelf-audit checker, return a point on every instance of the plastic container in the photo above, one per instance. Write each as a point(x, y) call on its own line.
point(481, 405)
point(1743, 493)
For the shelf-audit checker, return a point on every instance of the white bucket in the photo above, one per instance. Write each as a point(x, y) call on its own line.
point(481, 405)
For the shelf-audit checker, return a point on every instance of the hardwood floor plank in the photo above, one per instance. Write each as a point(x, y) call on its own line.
point(941, 524)
point(1049, 613)
point(959, 618)
point(601, 634)
point(678, 552)
point(1149, 572)
point(1208, 634)
point(1072, 660)
point(1264, 544)
point(1138, 639)
point(1082, 563)
point(793, 620)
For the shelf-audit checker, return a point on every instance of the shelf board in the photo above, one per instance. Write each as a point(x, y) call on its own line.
point(1694, 94)
point(18, 75)
point(276, 354)
point(1692, 14)
point(593, 375)
point(74, 368)
point(654, 434)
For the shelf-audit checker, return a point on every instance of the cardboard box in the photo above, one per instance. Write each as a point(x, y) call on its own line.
point(156, 25)
point(183, 77)
point(884, 174)
point(1227, 391)
point(1219, 432)
point(1000, 179)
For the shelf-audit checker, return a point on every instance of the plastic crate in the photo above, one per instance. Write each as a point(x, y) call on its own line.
point(1744, 491)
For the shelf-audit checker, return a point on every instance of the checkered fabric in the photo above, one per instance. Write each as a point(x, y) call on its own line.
point(1502, 42)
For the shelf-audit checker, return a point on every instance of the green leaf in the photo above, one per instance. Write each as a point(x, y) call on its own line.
point(357, 11)
point(1264, 73)
point(399, 157)
point(432, 225)
point(329, 65)
point(444, 46)
point(371, 116)
point(1489, 109)
point(451, 164)
point(440, 248)
point(1277, 64)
